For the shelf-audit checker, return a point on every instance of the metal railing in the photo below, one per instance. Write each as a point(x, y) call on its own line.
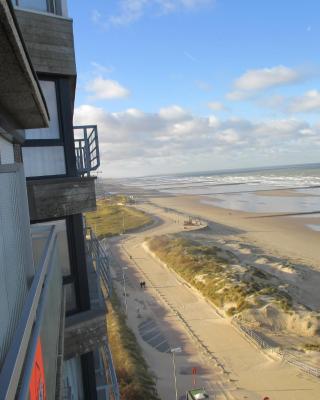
point(101, 260)
point(17, 368)
point(286, 356)
point(86, 148)
point(110, 370)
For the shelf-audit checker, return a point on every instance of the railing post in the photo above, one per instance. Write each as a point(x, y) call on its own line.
point(86, 152)
point(87, 149)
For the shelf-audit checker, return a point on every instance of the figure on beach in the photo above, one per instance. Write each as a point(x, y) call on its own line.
point(142, 285)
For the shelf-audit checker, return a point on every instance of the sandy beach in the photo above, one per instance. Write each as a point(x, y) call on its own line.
point(238, 369)
point(278, 235)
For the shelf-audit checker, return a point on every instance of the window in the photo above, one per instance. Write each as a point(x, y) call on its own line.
point(44, 161)
point(53, 132)
point(50, 6)
point(39, 5)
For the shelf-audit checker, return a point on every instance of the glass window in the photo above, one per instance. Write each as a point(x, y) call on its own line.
point(53, 132)
point(38, 5)
point(42, 161)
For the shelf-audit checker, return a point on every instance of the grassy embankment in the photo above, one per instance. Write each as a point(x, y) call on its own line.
point(230, 288)
point(113, 216)
point(135, 380)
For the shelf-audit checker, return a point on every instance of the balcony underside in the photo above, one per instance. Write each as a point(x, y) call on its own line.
point(55, 198)
point(84, 332)
point(21, 102)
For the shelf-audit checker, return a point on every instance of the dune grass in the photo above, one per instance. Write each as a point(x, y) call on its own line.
point(113, 216)
point(205, 268)
point(312, 346)
point(135, 379)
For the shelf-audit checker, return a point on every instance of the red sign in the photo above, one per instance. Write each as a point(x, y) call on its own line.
point(37, 385)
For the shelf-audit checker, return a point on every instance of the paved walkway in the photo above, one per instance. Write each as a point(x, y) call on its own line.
point(171, 314)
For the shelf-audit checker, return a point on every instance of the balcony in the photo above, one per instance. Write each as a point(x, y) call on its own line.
point(37, 336)
point(87, 331)
point(87, 149)
point(48, 34)
point(57, 197)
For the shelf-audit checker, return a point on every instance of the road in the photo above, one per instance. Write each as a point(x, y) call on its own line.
point(169, 313)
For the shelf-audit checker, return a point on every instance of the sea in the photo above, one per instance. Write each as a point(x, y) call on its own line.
point(293, 189)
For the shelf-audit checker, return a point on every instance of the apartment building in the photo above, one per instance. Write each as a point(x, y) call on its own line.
point(54, 275)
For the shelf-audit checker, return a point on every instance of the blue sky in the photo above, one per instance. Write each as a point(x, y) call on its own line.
point(199, 84)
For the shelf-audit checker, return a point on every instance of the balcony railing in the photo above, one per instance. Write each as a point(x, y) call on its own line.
point(86, 148)
point(34, 323)
point(100, 260)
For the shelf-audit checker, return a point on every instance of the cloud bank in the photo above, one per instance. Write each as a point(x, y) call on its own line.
point(173, 138)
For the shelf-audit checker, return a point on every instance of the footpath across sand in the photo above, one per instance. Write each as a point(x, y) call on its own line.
point(230, 367)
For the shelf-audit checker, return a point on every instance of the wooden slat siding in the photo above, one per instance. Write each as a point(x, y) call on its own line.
point(60, 197)
point(50, 42)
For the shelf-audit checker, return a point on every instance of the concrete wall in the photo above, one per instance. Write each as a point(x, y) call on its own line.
point(49, 40)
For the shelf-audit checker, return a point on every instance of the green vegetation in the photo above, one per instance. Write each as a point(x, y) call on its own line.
point(113, 216)
point(205, 268)
point(312, 347)
point(135, 380)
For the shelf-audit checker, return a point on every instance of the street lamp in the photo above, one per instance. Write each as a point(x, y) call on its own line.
point(173, 352)
point(124, 289)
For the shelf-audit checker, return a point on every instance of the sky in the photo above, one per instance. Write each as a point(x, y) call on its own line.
point(198, 85)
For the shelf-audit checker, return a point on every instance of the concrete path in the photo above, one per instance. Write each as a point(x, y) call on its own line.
point(170, 314)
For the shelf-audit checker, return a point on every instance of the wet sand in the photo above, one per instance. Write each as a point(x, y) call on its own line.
point(279, 235)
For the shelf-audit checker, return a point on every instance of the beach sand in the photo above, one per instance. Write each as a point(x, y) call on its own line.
point(278, 235)
point(246, 372)
point(284, 248)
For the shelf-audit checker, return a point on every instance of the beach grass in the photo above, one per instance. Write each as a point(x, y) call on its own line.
point(135, 379)
point(114, 215)
point(312, 346)
point(205, 268)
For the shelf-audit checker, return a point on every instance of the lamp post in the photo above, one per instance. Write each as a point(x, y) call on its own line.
point(124, 289)
point(123, 226)
point(173, 352)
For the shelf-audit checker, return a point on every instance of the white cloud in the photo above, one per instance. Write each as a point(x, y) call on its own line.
point(173, 113)
point(133, 10)
point(101, 69)
point(309, 102)
point(106, 89)
point(255, 80)
point(204, 86)
point(217, 106)
point(133, 140)
point(306, 103)
point(237, 95)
